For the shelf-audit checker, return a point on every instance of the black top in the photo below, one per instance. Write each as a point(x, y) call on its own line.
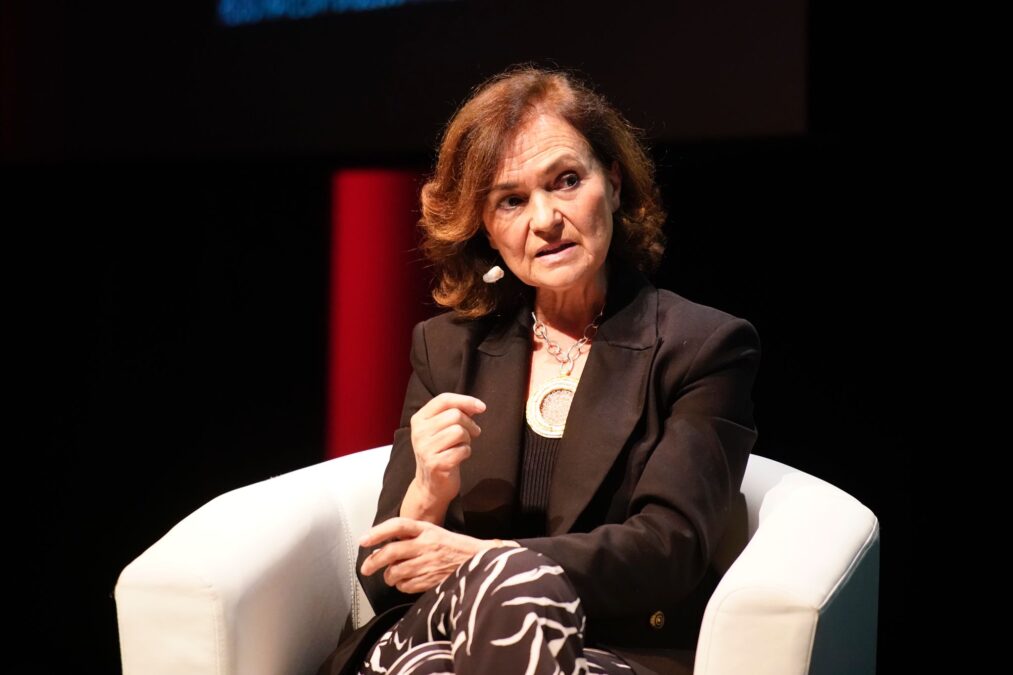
point(538, 457)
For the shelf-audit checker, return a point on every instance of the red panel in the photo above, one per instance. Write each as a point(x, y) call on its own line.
point(378, 290)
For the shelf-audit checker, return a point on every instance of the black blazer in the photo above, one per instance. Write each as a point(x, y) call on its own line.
point(648, 470)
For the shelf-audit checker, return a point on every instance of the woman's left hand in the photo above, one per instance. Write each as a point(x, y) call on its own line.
point(419, 554)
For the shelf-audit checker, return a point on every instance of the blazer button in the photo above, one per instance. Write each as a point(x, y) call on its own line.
point(658, 620)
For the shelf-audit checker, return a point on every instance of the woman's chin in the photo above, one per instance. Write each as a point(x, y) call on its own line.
point(562, 279)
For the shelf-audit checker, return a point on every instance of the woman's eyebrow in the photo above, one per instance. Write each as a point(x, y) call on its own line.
point(550, 168)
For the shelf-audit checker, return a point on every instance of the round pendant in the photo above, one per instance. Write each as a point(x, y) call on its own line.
point(548, 407)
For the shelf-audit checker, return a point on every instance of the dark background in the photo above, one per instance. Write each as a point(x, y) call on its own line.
point(166, 203)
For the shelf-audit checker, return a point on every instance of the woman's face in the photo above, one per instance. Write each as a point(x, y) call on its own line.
point(549, 213)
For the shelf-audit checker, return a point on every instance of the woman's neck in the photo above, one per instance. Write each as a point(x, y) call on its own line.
point(570, 311)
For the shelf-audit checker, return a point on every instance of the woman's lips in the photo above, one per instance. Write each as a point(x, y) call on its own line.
point(553, 252)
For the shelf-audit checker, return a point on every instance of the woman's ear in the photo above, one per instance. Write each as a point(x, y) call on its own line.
point(615, 179)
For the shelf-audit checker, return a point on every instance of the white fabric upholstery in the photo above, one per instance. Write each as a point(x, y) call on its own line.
point(261, 579)
point(258, 581)
point(803, 595)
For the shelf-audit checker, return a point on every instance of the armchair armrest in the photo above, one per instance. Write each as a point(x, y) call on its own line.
point(802, 598)
point(258, 580)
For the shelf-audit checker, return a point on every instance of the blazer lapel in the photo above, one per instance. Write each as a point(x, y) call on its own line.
point(607, 405)
point(609, 400)
point(496, 372)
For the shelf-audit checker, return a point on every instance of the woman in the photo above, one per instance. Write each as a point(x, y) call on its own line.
point(573, 438)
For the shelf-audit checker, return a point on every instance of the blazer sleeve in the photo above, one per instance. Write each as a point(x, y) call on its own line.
point(680, 504)
point(399, 472)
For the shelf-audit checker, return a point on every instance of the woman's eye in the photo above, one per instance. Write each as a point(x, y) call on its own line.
point(569, 179)
point(510, 202)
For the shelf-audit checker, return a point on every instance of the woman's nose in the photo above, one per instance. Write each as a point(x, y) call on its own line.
point(544, 215)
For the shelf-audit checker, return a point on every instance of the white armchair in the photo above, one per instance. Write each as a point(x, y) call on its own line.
point(261, 579)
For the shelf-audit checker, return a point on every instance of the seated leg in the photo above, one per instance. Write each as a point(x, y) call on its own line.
point(518, 613)
point(506, 610)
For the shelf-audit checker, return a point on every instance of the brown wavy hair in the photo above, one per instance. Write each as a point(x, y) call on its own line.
point(469, 155)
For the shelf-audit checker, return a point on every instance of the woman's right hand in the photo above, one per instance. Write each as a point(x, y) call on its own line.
point(442, 431)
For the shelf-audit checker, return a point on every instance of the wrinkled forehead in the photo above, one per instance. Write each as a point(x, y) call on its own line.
point(541, 138)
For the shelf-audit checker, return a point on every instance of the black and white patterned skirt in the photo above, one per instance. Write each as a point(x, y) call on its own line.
point(506, 610)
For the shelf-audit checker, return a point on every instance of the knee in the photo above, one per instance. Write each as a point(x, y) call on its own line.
point(517, 558)
point(521, 571)
point(511, 559)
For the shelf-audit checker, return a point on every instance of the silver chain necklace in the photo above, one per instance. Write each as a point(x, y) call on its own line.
point(569, 359)
point(549, 406)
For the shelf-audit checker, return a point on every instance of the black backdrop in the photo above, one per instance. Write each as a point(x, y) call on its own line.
point(166, 186)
